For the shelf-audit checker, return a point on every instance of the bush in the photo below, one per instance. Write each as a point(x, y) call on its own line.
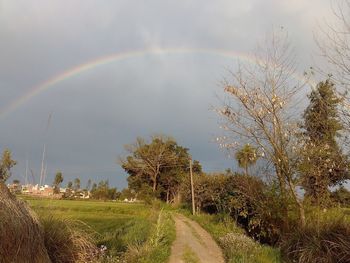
point(323, 240)
point(256, 206)
point(238, 246)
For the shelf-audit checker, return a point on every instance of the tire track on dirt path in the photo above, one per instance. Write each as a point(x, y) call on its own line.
point(191, 238)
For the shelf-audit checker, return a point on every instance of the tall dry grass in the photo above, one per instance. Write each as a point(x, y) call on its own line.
point(21, 235)
point(67, 242)
point(321, 241)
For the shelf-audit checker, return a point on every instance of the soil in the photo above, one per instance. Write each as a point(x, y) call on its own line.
point(191, 236)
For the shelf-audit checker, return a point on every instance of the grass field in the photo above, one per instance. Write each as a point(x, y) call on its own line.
point(134, 232)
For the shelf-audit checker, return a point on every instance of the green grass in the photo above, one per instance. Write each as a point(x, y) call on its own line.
point(236, 247)
point(133, 232)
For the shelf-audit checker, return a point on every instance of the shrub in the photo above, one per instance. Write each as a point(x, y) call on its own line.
point(238, 246)
point(323, 240)
point(255, 205)
point(258, 208)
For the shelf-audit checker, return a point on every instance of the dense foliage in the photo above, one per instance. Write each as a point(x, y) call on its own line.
point(253, 204)
point(341, 196)
point(6, 163)
point(323, 164)
point(102, 191)
point(57, 182)
point(157, 168)
point(246, 157)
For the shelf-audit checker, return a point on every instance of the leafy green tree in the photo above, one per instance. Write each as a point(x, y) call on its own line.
point(93, 187)
point(6, 163)
point(102, 191)
point(171, 178)
point(69, 189)
point(57, 182)
point(127, 193)
point(76, 184)
point(146, 160)
point(160, 165)
point(70, 185)
point(16, 181)
point(88, 185)
point(246, 157)
point(322, 164)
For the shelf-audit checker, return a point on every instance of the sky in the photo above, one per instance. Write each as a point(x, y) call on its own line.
point(109, 71)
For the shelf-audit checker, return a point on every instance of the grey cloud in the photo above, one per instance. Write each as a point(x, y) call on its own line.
point(97, 112)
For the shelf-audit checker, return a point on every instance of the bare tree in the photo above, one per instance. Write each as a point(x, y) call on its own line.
point(333, 41)
point(260, 108)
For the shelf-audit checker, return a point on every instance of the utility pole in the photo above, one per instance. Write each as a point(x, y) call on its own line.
point(192, 189)
point(43, 165)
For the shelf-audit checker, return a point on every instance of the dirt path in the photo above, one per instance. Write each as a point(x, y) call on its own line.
point(193, 243)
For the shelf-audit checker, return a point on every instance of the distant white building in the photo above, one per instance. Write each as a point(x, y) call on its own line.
point(44, 190)
point(131, 200)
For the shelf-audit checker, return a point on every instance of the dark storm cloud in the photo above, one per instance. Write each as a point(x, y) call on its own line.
point(97, 112)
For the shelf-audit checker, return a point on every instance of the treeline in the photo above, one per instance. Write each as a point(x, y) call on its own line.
point(73, 190)
point(98, 191)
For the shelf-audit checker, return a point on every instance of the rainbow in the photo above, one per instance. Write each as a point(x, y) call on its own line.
point(90, 65)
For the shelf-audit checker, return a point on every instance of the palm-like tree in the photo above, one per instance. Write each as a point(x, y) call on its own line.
point(246, 157)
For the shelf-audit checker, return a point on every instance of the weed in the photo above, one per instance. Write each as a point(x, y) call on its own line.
point(189, 256)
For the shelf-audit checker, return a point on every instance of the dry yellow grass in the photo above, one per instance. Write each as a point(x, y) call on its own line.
point(21, 235)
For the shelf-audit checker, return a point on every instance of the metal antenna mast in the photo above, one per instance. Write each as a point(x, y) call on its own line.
point(42, 172)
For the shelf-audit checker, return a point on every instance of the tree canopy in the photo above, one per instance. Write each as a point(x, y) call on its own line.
point(57, 181)
point(323, 163)
point(246, 157)
point(6, 163)
point(158, 166)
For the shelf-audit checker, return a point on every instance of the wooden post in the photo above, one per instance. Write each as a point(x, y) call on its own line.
point(192, 189)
